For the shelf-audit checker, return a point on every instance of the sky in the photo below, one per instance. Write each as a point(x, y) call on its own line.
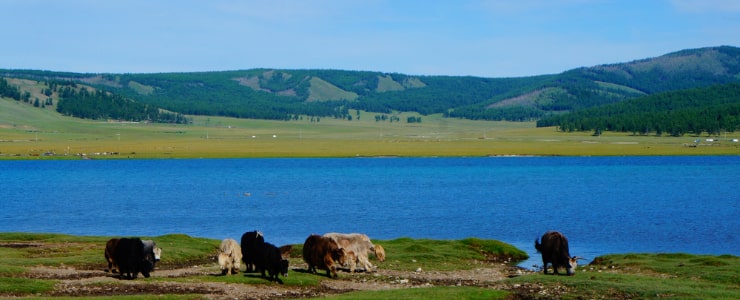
point(486, 38)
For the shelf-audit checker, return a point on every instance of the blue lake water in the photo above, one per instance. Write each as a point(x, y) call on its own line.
point(603, 204)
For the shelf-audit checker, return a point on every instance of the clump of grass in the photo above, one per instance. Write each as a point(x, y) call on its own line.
point(411, 254)
point(180, 250)
point(497, 249)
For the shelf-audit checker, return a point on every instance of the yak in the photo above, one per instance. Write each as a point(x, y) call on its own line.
point(554, 249)
point(358, 244)
point(131, 257)
point(151, 253)
point(324, 253)
point(252, 242)
point(229, 257)
point(270, 259)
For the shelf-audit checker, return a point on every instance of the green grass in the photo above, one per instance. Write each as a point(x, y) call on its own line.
point(23, 286)
point(497, 248)
point(444, 255)
point(197, 250)
point(427, 293)
point(321, 89)
point(26, 132)
point(645, 276)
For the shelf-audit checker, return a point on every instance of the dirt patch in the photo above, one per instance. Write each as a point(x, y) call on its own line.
point(74, 282)
point(20, 245)
point(106, 289)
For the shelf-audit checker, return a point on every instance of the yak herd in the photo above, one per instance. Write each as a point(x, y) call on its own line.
point(130, 256)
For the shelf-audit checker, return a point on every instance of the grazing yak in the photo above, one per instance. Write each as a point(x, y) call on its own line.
point(229, 256)
point(554, 249)
point(131, 257)
point(151, 252)
point(251, 243)
point(270, 259)
point(360, 245)
point(322, 252)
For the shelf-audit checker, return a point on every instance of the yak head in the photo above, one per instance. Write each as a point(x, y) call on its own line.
point(379, 252)
point(572, 265)
point(157, 253)
point(339, 255)
point(284, 267)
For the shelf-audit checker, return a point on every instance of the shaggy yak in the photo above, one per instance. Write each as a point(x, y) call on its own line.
point(554, 249)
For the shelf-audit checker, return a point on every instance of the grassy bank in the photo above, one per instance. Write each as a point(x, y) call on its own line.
point(42, 265)
point(647, 276)
point(28, 133)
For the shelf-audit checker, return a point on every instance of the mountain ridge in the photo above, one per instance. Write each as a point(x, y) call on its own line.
point(284, 93)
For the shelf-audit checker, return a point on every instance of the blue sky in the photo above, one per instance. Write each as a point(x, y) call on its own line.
point(489, 38)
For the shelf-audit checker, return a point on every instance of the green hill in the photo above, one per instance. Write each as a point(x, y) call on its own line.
point(289, 94)
point(710, 110)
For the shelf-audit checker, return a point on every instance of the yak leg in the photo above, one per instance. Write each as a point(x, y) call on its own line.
point(555, 268)
point(352, 265)
point(331, 271)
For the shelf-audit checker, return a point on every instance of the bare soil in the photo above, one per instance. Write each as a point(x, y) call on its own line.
point(97, 282)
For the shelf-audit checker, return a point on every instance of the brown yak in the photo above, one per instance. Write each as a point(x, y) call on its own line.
point(322, 252)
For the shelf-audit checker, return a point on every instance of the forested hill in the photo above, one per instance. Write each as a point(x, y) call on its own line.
point(710, 110)
point(286, 94)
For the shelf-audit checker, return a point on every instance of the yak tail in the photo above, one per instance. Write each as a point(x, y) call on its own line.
point(537, 245)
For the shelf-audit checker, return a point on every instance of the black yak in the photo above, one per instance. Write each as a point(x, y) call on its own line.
point(131, 257)
point(554, 249)
point(251, 246)
point(271, 260)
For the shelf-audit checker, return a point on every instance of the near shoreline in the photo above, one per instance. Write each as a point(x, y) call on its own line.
point(55, 265)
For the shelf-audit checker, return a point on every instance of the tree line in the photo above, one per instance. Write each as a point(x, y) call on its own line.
point(704, 110)
point(82, 103)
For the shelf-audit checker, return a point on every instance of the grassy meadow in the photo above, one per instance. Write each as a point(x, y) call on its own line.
point(27, 132)
point(28, 262)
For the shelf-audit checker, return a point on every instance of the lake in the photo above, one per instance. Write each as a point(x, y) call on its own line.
point(603, 204)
